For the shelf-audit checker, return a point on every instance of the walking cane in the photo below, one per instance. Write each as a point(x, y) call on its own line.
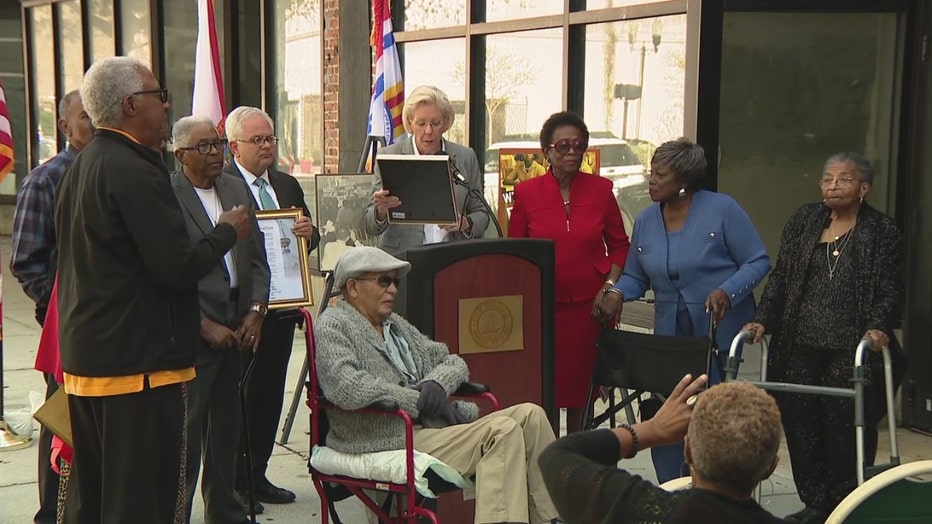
point(250, 482)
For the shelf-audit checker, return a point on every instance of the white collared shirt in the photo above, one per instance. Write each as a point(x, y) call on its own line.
point(212, 206)
point(250, 181)
point(433, 234)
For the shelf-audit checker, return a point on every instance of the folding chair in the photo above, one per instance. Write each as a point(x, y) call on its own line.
point(332, 488)
point(644, 363)
point(890, 497)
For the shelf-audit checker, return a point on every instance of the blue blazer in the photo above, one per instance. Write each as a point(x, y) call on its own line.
point(722, 250)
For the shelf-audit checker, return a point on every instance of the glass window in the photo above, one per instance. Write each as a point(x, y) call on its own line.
point(42, 66)
point(796, 88)
point(522, 88)
point(103, 43)
point(603, 4)
point(634, 93)
point(136, 31)
point(430, 14)
point(70, 44)
point(295, 100)
point(181, 23)
point(497, 10)
point(422, 68)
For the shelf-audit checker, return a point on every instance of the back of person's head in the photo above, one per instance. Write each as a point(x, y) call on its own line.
point(106, 84)
point(734, 435)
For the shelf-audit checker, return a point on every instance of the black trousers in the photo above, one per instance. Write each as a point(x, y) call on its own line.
point(129, 458)
point(48, 479)
point(265, 393)
point(819, 429)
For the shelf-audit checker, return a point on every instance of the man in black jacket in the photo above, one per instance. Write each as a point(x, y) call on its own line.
point(253, 143)
point(128, 304)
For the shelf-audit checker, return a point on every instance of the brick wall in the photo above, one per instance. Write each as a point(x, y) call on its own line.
point(331, 74)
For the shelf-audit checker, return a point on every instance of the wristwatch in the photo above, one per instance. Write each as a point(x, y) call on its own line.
point(261, 309)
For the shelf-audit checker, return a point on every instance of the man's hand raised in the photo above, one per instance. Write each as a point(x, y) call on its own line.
point(237, 217)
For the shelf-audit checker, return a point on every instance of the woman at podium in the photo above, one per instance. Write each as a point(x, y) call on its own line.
point(579, 213)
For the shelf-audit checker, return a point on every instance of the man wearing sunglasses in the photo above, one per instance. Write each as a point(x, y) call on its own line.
point(365, 353)
point(253, 144)
point(127, 299)
point(233, 297)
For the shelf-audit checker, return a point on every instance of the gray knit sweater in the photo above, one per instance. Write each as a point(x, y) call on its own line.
point(354, 371)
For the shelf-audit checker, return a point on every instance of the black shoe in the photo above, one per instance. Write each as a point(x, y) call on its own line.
point(271, 494)
point(807, 516)
point(243, 499)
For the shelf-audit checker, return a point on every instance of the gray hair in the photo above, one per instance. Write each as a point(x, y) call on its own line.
point(734, 435)
point(427, 95)
point(685, 158)
point(106, 84)
point(860, 163)
point(65, 103)
point(181, 131)
point(234, 122)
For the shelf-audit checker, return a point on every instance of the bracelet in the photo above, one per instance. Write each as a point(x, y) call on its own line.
point(610, 282)
point(634, 439)
point(616, 291)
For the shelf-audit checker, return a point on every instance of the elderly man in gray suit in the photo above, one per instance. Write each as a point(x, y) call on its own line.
point(234, 297)
point(428, 114)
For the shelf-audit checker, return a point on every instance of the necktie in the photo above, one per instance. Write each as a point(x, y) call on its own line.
point(265, 199)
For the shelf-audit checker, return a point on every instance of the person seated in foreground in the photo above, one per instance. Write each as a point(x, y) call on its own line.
point(366, 353)
point(731, 446)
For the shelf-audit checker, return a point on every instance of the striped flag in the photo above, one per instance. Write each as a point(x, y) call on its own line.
point(208, 79)
point(6, 139)
point(388, 90)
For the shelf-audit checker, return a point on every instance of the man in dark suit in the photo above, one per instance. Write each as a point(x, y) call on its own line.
point(234, 297)
point(253, 144)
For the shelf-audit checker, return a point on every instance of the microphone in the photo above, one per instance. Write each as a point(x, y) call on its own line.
point(458, 177)
point(460, 180)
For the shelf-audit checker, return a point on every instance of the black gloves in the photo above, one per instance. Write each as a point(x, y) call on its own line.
point(452, 416)
point(432, 400)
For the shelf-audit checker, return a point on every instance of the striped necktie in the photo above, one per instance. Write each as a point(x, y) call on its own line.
point(265, 199)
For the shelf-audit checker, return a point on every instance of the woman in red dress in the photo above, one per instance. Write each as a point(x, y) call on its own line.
point(579, 213)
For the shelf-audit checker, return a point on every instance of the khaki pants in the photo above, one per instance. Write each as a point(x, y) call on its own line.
point(501, 450)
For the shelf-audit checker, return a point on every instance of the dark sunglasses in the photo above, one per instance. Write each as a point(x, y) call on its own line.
point(563, 146)
point(384, 280)
point(163, 93)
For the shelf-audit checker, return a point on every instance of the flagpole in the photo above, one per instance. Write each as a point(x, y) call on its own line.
point(9, 439)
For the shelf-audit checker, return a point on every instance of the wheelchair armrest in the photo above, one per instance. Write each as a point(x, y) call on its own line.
point(387, 406)
point(471, 388)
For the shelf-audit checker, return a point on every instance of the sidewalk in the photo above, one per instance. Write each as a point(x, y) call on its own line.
point(288, 469)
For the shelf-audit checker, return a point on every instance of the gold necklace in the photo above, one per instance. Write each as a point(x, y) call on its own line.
point(836, 250)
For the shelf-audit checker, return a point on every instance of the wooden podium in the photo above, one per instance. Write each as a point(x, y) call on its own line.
point(492, 302)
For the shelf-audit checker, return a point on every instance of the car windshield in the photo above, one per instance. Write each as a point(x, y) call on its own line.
point(618, 155)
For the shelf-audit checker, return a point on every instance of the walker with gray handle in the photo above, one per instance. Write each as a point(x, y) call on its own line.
point(857, 393)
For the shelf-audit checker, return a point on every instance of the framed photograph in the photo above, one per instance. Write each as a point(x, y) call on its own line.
point(341, 209)
point(288, 261)
point(425, 186)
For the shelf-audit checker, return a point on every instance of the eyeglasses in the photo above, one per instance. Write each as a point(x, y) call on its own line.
point(563, 146)
point(259, 140)
point(421, 124)
point(205, 148)
point(841, 182)
point(384, 280)
point(163, 93)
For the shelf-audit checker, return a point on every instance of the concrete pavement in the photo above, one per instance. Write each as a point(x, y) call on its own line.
point(18, 491)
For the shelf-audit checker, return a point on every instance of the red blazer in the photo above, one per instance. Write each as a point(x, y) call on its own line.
point(587, 241)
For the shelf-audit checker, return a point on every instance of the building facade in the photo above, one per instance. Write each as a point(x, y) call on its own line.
point(770, 88)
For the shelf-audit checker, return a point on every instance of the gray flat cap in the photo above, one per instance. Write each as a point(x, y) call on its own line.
point(365, 259)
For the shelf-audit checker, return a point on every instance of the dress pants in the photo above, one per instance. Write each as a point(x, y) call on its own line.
point(819, 429)
point(265, 393)
point(129, 457)
point(48, 479)
point(501, 450)
point(214, 432)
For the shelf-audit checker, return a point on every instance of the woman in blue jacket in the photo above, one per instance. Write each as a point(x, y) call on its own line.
point(700, 254)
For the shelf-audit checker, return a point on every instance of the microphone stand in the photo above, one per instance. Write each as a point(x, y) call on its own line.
point(460, 180)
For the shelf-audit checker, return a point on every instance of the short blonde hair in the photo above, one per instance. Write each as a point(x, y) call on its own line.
point(234, 121)
point(734, 435)
point(427, 95)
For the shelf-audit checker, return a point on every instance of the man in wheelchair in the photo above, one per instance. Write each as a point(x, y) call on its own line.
point(366, 353)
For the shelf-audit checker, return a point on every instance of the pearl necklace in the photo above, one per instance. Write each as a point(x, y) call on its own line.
point(836, 250)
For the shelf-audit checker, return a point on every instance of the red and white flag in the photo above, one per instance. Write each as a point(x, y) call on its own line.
point(208, 79)
point(6, 138)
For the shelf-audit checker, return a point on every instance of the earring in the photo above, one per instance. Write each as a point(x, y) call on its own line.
point(682, 192)
point(862, 200)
